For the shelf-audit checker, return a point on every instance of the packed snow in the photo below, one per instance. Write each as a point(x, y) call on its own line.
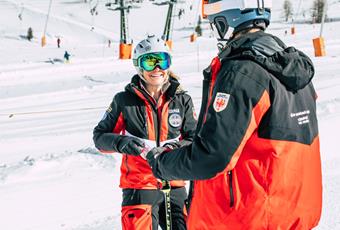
point(51, 176)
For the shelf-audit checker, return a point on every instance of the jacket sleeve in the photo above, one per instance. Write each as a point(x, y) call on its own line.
point(189, 123)
point(219, 143)
point(106, 133)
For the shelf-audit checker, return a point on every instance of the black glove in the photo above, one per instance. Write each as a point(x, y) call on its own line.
point(172, 145)
point(154, 153)
point(130, 145)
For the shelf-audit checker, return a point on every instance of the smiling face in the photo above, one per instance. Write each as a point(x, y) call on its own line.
point(156, 77)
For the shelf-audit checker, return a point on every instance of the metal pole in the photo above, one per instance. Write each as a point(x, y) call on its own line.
point(122, 23)
point(169, 22)
point(172, 19)
point(297, 12)
point(323, 17)
point(48, 14)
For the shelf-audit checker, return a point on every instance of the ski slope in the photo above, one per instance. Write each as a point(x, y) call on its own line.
point(51, 176)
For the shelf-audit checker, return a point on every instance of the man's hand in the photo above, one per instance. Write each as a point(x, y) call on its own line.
point(172, 145)
point(154, 153)
point(130, 145)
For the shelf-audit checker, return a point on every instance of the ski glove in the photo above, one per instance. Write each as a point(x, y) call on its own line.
point(154, 153)
point(172, 145)
point(130, 145)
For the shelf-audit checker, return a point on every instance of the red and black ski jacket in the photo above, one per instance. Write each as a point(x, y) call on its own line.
point(134, 112)
point(255, 157)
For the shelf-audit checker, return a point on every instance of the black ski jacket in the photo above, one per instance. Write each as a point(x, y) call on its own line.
point(255, 157)
point(135, 113)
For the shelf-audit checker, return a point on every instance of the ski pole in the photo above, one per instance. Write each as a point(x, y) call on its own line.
point(166, 188)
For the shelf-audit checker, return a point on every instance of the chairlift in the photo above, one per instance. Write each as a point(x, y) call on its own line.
point(93, 11)
point(20, 11)
point(125, 46)
point(169, 22)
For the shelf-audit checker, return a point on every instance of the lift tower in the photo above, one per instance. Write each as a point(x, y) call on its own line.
point(167, 34)
point(125, 46)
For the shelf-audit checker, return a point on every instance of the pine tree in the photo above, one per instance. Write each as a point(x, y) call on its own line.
point(317, 10)
point(288, 9)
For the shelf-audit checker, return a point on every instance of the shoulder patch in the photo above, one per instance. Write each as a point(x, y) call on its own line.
point(175, 120)
point(221, 101)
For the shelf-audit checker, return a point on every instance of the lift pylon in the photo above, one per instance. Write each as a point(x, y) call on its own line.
point(125, 46)
point(167, 34)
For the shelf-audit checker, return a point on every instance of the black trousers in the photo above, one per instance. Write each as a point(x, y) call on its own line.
point(145, 209)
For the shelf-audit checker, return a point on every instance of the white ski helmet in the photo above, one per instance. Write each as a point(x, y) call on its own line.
point(151, 44)
point(237, 14)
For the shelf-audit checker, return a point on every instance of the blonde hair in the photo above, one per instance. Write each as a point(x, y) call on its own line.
point(173, 75)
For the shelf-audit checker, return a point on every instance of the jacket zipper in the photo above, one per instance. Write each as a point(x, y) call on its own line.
point(158, 131)
point(159, 121)
point(158, 127)
point(231, 192)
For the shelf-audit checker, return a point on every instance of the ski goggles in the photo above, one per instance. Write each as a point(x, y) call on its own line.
point(150, 61)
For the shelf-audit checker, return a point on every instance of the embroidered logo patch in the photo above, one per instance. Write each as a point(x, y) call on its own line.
point(175, 120)
point(221, 101)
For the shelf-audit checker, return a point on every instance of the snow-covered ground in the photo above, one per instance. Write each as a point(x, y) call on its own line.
point(51, 176)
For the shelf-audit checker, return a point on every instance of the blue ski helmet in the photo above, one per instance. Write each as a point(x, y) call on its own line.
point(237, 14)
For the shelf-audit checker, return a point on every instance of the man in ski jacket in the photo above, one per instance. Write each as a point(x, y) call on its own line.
point(255, 157)
point(152, 111)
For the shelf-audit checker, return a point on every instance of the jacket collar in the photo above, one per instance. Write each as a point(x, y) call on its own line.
point(290, 66)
